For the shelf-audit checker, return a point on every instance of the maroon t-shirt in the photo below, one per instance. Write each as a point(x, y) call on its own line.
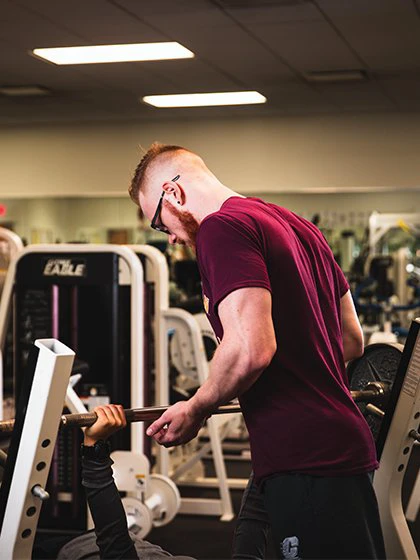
point(299, 413)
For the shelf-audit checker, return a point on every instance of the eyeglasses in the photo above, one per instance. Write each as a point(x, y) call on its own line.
point(156, 222)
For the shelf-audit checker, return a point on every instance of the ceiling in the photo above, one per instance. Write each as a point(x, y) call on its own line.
point(265, 45)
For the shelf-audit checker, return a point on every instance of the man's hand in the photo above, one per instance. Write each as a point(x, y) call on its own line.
point(111, 418)
point(176, 425)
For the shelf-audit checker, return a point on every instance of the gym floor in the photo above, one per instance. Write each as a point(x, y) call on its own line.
point(205, 537)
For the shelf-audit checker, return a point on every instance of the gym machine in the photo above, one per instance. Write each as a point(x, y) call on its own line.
point(91, 297)
point(380, 224)
point(394, 418)
point(175, 332)
point(34, 432)
point(390, 381)
point(32, 446)
point(10, 245)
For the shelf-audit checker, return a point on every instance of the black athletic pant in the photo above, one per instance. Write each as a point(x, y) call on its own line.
point(252, 526)
point(324, 517)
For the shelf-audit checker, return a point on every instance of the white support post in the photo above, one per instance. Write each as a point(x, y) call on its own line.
point(184, 322)
point(156, 272)
point(36, 447)
point(394, 459)
point(414, 502)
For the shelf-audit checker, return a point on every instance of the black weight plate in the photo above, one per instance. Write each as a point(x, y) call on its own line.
point(379, 363)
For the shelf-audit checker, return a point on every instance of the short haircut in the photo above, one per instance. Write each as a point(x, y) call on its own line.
point(155, 150)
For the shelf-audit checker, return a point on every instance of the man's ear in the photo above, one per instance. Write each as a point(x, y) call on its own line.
point(175, 189)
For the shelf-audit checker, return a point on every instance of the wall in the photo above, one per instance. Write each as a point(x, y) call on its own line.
point(324, 153)
point(88, 219)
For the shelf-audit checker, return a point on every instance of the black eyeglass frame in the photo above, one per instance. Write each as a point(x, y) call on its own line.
point(153, 224)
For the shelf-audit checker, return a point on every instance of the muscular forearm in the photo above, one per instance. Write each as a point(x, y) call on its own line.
point(232, 372)
point(352, 348)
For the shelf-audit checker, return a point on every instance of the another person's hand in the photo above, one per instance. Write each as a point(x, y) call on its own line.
point(111, 418)
point(176, 425)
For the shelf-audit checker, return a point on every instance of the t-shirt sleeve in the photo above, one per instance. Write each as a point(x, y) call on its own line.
point(230, 256)
point(343, 285)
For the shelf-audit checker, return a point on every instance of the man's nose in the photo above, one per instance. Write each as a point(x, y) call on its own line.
point(172, 239)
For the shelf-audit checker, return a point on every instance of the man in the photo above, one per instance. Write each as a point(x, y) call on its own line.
point(282, 311)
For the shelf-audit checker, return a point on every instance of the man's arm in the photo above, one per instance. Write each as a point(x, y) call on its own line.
point(247, 348)
point(352, 331)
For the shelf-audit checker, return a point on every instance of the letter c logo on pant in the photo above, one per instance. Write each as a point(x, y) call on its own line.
point(290, 547)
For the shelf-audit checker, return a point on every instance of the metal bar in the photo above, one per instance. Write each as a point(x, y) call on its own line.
point(154, 412)
point(131, 414)
point(366, 396)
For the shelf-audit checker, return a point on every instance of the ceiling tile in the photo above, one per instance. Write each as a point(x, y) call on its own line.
point(385, 34)
point(298, 11)
point(308, 45)
point(92, 22)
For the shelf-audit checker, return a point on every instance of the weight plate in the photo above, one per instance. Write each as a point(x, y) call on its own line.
point(379, 363)
point(171, 499)
point(139, 517)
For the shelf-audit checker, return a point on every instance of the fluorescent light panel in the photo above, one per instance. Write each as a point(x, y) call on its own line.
point(205, 99)
point(98, 54)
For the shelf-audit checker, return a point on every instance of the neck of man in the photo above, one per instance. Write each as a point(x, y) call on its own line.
point(211, 200)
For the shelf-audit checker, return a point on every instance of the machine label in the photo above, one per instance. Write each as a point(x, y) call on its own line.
point(65, 267)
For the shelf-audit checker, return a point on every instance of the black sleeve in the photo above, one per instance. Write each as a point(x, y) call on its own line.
point(107, 511)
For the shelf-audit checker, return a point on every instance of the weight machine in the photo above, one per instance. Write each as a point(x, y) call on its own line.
point(176, 332)
point(10, 245)
point(71, 291)
point(34, 433)
point(32, 446)
point(394, 420)
point(32, 441)
point(78, 293)
point(380, 224)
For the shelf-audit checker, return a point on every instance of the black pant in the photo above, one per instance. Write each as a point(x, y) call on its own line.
point(252, 527)
point(324, 517)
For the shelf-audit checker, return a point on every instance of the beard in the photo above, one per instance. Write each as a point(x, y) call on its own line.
point(188, 222)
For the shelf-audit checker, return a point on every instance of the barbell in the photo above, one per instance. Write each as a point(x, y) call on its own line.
point(378, 365)
point(85, 419)
point(373, 391)
point(371, 379)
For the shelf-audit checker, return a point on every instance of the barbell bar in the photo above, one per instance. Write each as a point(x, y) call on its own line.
point(373, 391)
point(85, 419)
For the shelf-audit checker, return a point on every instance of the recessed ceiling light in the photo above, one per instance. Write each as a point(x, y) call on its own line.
point(23, 91)
point(98, 54)
point(205, 99)
point(331, 76)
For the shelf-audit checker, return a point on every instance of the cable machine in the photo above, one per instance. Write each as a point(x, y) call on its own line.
point(91, 298)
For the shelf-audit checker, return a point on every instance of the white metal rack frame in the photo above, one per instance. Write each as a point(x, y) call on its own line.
point(396, 453)
point(165, 320)
point(28, 475)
